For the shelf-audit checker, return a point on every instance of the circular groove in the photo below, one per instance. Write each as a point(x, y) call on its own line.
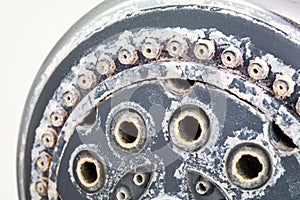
point(128, 131)
point(189, 128)
point(248, 166)
point(89, 171)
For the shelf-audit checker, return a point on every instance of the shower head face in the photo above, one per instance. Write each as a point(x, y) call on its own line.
point(166, 100)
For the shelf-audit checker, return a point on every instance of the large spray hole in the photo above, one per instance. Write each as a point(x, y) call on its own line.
point(128, 132)
point(88, 122)
point(180, 86)
point(190, 129)
point(89, 172)
point(281, 140)
point(249, 166)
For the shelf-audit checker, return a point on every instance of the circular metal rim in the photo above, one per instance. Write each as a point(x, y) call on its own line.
point(101, 17)
point(253, 149)
point(141, 139)
point(202, 119)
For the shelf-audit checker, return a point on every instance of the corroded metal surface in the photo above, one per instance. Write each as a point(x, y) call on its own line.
point(174, 111)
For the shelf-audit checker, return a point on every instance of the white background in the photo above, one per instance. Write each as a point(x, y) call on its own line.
point(28, 31)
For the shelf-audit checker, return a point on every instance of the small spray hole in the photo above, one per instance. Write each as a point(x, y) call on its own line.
point(255, 71)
